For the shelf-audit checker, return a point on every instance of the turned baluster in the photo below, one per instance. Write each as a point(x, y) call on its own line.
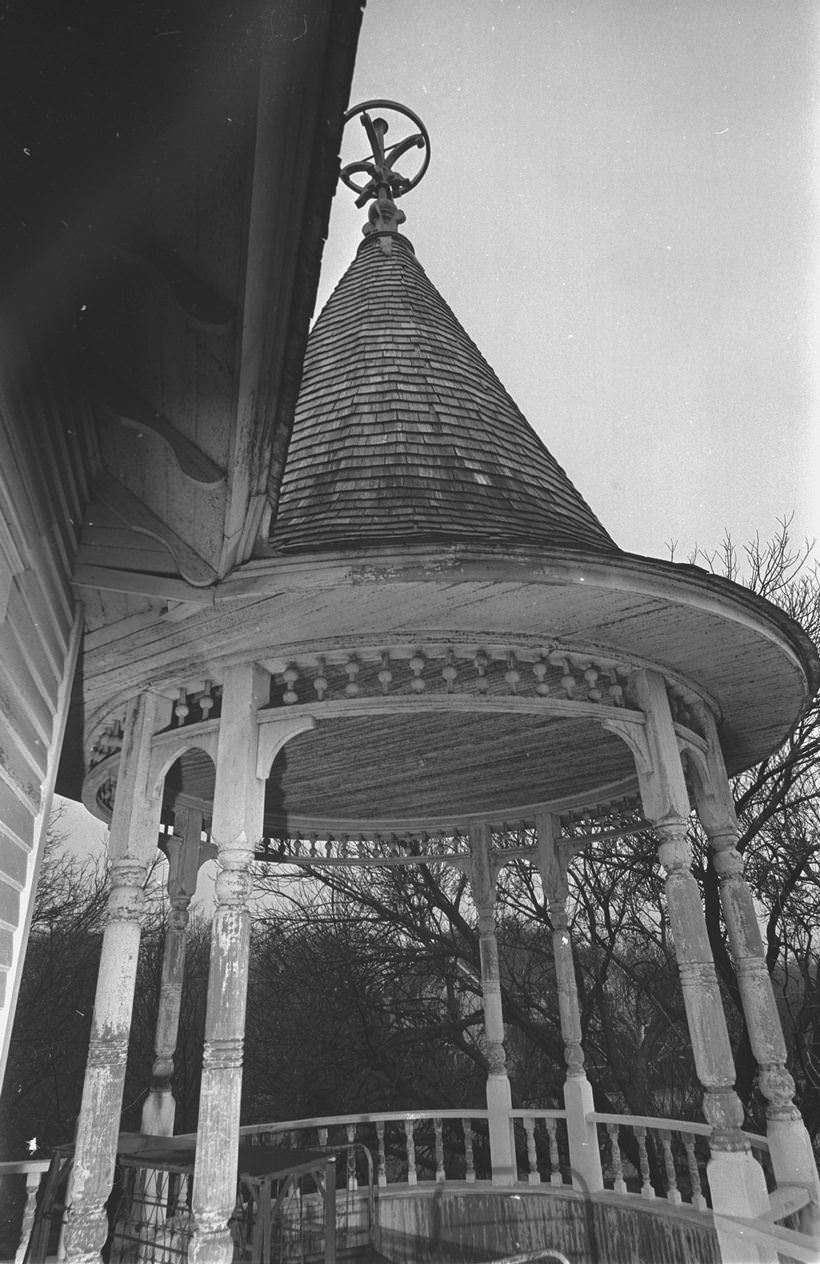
point(555, 1159)
point(290, 676)
point(409, 1127)
point(698, 1201)
point(385, 674)
point(591, 677)
point(320, 679)
point(643, 1163)
point(352, 1182)
point(352, 670)
point(512, 675)
point(438, 1129)
point(469, 1161)
point(206, 700)
point(532, 1157)
point(32, 1186)
point(539, 670)
point(480, 662)
point(615, 1156)
point(382, 1159)
point(417, 683)
point(449, 671)
point(672, 1191)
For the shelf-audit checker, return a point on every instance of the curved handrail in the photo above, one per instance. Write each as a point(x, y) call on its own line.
point(368, 1117)
point(650, 1121)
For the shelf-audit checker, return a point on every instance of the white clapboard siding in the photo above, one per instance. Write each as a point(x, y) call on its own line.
point(44, 477)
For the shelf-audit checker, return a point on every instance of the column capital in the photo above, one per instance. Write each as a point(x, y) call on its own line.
point(663, 788)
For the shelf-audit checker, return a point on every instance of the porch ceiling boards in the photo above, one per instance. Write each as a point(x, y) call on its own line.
point(434, 768)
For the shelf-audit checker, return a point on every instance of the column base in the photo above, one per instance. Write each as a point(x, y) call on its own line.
point(738, 1187)
point(584, 1152)
point(85, 1234)
point(792, 1157)
point(502, 1144)
point(210, 1244)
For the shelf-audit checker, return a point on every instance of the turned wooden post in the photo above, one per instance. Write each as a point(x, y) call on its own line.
point(736, 1179)
point(184, 858)
point(236, 828)
point(789, 1143)
point(584, 1152)
point(132, 844)
point(499, 1097)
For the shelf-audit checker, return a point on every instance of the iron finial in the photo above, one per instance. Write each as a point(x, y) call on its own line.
point(384, 185)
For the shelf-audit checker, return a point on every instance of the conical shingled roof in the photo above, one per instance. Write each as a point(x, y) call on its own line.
point(403, 432)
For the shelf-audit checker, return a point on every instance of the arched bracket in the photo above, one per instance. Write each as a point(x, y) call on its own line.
point(135, 514)
point(634, 734)
point(276, 733)
point(167, 748)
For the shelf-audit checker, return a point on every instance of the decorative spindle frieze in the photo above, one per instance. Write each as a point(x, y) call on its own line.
point(108, 742)
point(195, 703)
point(361, 848)
point(483, 671)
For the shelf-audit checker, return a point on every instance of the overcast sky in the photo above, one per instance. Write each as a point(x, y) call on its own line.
point(622, 210)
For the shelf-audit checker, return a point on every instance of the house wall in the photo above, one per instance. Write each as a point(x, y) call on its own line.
point(47, 457)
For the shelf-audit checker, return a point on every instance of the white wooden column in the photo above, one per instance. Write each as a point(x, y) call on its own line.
point(736, 1179)
point(184, 849)
point(132, 845)
point(499, 1097)
point(585, 1155)
point(789, 1143)
point(235, 830)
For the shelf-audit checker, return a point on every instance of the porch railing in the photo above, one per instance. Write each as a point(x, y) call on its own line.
point(408, 1146)
point(643, 1157)
point(655, 1158)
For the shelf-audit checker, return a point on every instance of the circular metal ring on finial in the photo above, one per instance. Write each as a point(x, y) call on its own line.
point(382, 181)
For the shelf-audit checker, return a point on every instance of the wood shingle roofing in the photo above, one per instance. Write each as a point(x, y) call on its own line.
point(404, 433)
